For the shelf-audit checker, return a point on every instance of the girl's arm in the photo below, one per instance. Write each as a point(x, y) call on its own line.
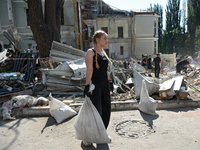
point(109, 79)
point(89, 64)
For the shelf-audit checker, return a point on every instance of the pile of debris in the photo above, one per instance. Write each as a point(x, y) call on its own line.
point(67, 79)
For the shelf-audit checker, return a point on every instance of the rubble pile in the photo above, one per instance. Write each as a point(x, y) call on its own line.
point(67, 78)
point(193, 77)
point(6, 65)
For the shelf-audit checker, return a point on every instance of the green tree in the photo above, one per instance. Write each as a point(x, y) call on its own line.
point(45, 25)
point(193, 9)
point(159, 10)
point(173, 29)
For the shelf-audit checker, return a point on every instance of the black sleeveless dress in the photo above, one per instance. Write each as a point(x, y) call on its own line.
point(101, 94)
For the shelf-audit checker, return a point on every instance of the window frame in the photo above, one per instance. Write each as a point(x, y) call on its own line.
point(120, 32)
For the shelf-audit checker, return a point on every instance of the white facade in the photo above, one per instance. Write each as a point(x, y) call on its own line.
point(146, 34)
point(140, 35)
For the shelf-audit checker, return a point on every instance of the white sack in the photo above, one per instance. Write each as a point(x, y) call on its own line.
point(23, 100)
point(60, 111)
point(89, 125)
point(147, 104)
point(7, 106)
point(42, 101)
point(151, 87)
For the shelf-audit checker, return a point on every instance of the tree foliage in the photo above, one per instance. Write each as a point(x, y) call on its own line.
point(171, 34)
point(45, 25)
point(193, 9)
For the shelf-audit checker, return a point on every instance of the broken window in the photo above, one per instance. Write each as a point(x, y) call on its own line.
point(154, 28)
point(120, 32)
point(154, 47)
point(27, 18)
point(121, 50)
point(62, 17)
point(105, 29)
point(107, 51)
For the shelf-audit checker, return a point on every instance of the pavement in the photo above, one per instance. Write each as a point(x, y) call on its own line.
point(175, 126)
point(172, 129)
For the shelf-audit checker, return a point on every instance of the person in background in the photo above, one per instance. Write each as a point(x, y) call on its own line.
point(125, 64)
point(198, 59)
point(183, 64)
point(157, 62)
point(128, 64)
point(97, 63)
point(139, 61)
point(149, 67)
point(178, 58)
point(144, 62)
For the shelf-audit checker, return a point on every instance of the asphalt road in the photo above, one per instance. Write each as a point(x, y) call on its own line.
point(174, 129)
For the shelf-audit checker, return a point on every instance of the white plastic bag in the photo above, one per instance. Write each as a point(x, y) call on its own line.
point(23, 100)
point(60, 111)
point(147, 104)
point(89, 125)
point(42, 101)
point(7, 106)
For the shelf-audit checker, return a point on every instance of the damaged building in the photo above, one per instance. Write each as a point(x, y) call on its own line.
point(131, 33)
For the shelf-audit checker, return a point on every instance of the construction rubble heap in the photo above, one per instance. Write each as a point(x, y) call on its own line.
point(27, 81)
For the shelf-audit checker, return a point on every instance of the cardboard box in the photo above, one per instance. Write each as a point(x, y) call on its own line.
point(166, 94)
point(182, 95)
point(163, 94)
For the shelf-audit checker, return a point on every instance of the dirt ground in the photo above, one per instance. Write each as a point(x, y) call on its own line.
point(172, 129)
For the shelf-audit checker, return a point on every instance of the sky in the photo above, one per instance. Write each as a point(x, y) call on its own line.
point(139, 4)
point(135, 4)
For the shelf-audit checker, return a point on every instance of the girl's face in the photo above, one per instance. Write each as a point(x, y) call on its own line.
point(102, 41)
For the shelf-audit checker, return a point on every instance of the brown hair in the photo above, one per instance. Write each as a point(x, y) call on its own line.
point(98, 34)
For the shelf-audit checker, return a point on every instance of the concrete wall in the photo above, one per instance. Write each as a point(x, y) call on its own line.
point(4, 23)
point(19, 14)
point(68, 11)
point(113, 24)
point(144, 25)
point(144, 34)
point(144, 46)
point(114, 42)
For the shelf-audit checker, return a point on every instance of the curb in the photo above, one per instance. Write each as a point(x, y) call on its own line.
point(115, 106)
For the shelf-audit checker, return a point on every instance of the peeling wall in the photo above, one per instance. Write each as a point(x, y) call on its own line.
point(113, 24)
point(114, 42)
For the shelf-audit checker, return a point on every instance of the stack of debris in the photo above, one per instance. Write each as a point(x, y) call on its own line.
point(69, 76)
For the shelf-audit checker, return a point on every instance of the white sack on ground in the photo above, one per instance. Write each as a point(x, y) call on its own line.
point(42, 101)
point(89, 125)
point(147, 104)
point(23, 100)
point(59, 110)
point(151, 87)
point(7, 106)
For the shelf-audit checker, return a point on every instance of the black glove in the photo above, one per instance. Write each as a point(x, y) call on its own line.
point(86, 91)
point(111, 86)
